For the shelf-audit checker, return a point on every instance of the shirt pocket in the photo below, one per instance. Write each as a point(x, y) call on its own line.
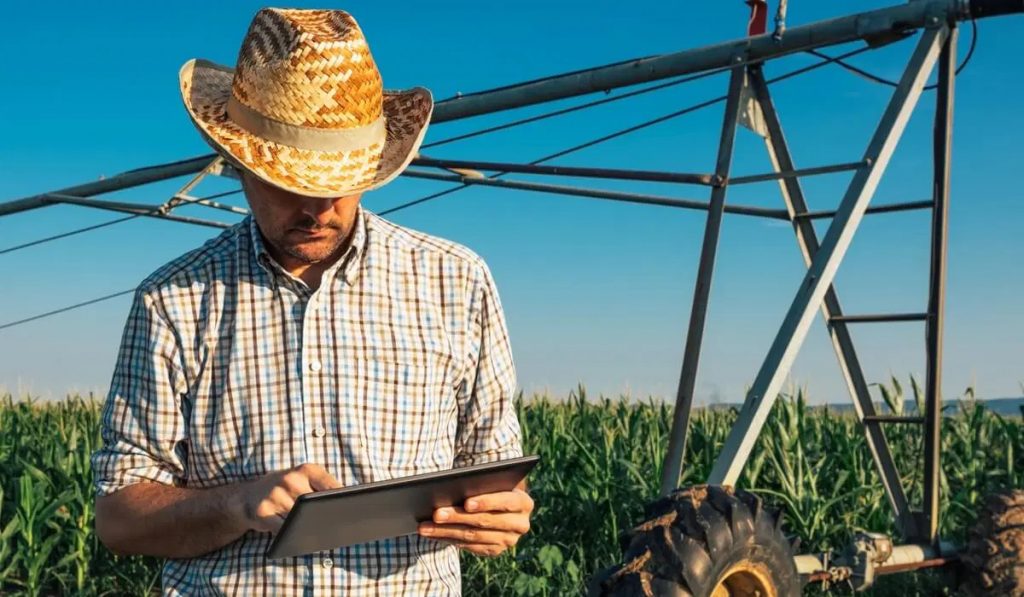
point(407, 417)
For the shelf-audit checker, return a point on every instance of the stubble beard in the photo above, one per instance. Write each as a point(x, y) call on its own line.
point(315, 253)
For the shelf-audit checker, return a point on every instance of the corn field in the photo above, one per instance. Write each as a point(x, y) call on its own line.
point(600, 462)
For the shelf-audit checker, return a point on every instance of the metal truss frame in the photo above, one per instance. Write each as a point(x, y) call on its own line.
point(816, 290)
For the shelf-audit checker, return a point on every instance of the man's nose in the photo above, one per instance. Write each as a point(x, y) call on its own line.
point(317, 208)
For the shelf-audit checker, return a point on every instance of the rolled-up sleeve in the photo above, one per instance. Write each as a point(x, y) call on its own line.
point(143, 428)
point(488, 424)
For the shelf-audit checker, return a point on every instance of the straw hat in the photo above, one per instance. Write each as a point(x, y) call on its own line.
point(305, 108)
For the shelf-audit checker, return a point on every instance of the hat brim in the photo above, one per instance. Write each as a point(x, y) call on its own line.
point(205, 89)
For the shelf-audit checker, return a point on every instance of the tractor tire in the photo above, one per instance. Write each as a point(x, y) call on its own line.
point(704, 541)
point(994, 556)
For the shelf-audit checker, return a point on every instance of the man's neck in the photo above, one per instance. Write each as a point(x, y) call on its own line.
point(312, 273)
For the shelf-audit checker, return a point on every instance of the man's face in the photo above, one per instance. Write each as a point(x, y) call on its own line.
point(305, 229)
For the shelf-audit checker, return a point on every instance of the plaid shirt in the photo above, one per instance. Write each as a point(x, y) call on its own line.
point(231, 368)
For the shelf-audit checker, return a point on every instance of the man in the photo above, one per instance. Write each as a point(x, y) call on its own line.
point(312, 346)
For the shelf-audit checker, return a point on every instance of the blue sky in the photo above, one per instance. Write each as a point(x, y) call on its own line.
point(594, 291)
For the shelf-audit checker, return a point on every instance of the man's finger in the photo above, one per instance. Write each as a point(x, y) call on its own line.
point(468, 534)
point(516, 500)
point(480, 549)
point(270, 524)
point(516, 522)
point(295, 483)
point(321, 480)
point(283, 501)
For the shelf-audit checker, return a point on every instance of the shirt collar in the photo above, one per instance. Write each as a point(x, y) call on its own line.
point(348, 266)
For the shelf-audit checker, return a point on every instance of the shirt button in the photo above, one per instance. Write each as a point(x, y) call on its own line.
point(327, 562)
point(319, 432)
point(315, 366)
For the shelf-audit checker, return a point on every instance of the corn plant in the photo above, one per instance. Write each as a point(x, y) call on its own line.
point(601, 461)
point(8, 555)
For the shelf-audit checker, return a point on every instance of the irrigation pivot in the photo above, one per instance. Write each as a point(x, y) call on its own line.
point(713, 539)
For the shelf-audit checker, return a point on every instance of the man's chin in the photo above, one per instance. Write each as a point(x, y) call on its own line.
point(309, 252)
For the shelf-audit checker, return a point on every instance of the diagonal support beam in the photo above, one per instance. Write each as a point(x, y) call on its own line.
point(842, 342)
point(672, 466)
point(825, 262)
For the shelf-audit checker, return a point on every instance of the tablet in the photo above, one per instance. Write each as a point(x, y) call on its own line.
point(324, 520)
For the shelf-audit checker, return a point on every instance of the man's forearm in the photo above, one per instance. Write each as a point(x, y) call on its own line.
point(169, 522)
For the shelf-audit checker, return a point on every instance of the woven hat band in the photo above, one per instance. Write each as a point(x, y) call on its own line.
point(304, 137)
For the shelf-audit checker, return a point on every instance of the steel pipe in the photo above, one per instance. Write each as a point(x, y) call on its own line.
point(797, 173)
point(893, 419)
point(879, 318)
point(132, 178)
point(902, 559)
point(942, 147)
point(877, 209)
point(777, 214)
point(146, 211)
point(613, 173)
point(673, 463)
point(876, 24)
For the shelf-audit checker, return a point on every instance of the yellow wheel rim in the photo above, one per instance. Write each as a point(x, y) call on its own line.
point(746, 579)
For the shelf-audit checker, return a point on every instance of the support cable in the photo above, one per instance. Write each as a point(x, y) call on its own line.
point(66, 234)
point(63, 309)
point(883, 81)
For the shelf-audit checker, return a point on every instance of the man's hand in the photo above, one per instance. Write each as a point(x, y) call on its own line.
point(266, 501)
point(486, 525)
